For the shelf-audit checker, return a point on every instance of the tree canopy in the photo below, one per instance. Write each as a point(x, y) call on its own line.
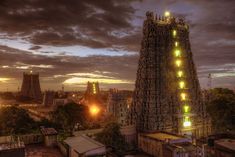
point(14, 120)
point(221, 108)
point(111, 136)
point(69, 116)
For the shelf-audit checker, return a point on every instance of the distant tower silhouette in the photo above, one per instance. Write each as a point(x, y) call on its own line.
point(92, 94)
point(92, 88)
point(31, 86)
point(209, 84)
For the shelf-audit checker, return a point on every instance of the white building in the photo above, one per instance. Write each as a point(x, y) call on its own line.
point(82, 146)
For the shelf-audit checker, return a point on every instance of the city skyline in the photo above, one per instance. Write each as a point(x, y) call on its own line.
point(75, 42)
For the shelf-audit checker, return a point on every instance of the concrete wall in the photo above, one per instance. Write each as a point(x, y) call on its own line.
point(150, 146)
point(20, 152)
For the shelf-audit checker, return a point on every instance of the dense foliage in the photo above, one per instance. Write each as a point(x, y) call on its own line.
point(111, 136)
point(70, 116)
point(14, 120)
point(221, 108)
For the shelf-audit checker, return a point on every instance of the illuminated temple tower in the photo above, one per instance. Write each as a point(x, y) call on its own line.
point(167, 93)
point(31, 86)
point(92, 94)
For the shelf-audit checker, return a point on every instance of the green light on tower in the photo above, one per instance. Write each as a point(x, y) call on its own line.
point(174, 33)
point(186, 109)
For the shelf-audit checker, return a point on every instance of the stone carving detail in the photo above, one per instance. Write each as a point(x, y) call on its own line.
point(156, 104)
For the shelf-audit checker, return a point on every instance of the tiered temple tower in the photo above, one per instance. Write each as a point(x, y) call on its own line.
point(31, 86)
point(167, 93)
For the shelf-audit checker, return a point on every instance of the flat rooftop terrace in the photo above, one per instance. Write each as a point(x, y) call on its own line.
point(163, 136)
point(226, 143)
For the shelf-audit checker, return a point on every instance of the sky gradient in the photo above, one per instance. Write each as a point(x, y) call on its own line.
point(71, 42)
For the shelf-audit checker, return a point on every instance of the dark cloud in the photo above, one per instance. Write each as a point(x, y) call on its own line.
point(67, 22)
point(119, 67)
point(112, 24)
point(35, 47)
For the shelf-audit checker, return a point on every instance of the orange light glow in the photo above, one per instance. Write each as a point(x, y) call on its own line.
point(94, 110)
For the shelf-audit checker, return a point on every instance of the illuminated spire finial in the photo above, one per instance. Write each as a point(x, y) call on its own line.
point(167, 14)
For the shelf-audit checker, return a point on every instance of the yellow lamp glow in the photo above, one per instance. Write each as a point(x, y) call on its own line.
point(94, 110)
point(176, 44)
point(94, 89)
point(183, 96)
point(186, 108)
point(180, 73)
point(167, 13)
point(182, 84)
point(177, 53)
point(178, 63)
point(174, 33)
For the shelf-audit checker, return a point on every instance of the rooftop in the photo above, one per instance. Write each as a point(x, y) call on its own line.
point(226, 143)
point(164, 136)
point(48, 131)
point(83, 144)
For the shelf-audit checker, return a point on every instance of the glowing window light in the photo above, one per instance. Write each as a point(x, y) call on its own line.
point(183, 96)
point(94, 110)
point(177, 53)
point(180, 73)
point(176, 44)
point(187, 124)
point(186, 108)
point(167, 13)
point(174, 33)
point(178, 63)
point(182, 84)
point(94, 89)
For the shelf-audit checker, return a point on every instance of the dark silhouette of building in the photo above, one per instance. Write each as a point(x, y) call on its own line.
point(92, 94)
point(92, 88)
point(167, 94)
point(31, 86)
point(48, 98)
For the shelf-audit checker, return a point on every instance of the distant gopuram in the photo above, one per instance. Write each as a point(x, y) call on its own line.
point(31, 86)
point(167, 94)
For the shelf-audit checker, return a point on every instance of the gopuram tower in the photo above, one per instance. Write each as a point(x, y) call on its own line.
point(167, 94)
point(31, 86)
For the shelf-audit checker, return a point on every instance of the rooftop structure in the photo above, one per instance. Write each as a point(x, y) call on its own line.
point(83, 145)
point(163, 144)
point(48, 131)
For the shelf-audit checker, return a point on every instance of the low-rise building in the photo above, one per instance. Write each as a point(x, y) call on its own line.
point(82, 146)
point(225, 148)
point(12, 149)
point(50, 136)
point(163, 144)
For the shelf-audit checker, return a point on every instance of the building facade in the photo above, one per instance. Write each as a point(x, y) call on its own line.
point(118, 105)
point(167, 93)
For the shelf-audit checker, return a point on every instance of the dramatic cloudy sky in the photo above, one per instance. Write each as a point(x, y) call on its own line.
point(72, 41)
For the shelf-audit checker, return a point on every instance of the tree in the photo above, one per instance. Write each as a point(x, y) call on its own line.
point(111, 136)
point(69, 115)
point(221, 108)
point(14, 120)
